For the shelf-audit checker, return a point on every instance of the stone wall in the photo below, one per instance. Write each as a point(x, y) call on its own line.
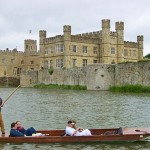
point(9, 81)
point(132, 73)
point(95, 77)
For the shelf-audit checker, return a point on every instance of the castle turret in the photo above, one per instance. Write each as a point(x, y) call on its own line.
point(120, 40)
point(67, 40)
point(140, 40)
point(67, 32)
point(105, 40)
point(30, 45)
point(42, 37)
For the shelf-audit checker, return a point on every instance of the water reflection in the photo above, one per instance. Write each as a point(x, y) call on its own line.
point(50, 109)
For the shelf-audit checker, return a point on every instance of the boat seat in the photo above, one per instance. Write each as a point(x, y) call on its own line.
point(118, 131)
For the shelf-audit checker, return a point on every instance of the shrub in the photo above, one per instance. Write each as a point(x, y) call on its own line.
point(56, 86)
point(51, 70)
point(131, 88)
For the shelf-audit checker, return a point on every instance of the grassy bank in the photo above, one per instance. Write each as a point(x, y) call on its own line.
point(131, 88)
point(56, 86)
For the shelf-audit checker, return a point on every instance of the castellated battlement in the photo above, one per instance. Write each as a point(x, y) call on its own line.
point(29, 41)
point(114, 34)
point(84, 39)
point(67, 28)
point(10, 52)
point(94, 34)
point(130, 44)
point(54, 39)
point(42, 33)
point(33, 53)
point(119, 25)
point(140, 38)
point(106, 23)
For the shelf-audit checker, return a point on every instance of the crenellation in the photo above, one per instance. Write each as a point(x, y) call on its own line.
point(30, 41)
point(130, 44)
point(84, 39)
point(105, 23)
point(119, 25)
point(113, 34)
point(42, 33)
point(140, 38)
point(54, 39)
point(67, 28)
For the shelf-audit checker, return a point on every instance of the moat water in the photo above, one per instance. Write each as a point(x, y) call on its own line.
point(50, 109)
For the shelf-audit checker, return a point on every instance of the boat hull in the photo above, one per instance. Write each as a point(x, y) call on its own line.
point(98, 135)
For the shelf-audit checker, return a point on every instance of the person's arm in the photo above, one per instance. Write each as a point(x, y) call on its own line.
point(15, 133)
point(77, 130)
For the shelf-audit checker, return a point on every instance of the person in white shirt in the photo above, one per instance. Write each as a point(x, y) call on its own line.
point(71, 130)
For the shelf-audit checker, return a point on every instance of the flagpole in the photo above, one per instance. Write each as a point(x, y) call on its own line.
point(30, 33)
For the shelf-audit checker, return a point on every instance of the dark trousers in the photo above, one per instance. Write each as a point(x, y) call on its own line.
point(30, 131)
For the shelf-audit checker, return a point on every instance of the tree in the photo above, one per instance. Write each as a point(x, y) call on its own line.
point(147, 56)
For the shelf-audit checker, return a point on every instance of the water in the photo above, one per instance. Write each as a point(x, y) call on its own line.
point(50, 109)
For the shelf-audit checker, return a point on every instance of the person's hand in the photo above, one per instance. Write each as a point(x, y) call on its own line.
point(2, 105)
point(80, 129)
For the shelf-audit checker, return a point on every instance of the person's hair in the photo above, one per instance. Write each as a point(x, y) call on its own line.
point(1, 101)
point(13, 124)
point(17, 122)
point(74, 121)
point(71, 121)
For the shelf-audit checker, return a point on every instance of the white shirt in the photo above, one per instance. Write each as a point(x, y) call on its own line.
point(70, 131)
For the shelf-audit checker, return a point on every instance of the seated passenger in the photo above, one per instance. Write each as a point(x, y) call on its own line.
point(72, 130)
point(27, 132)
point(14, 132)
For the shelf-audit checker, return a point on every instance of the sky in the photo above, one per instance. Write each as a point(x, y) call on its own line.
point(18, 17)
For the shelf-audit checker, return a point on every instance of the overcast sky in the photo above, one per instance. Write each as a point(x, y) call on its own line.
point(17, 17)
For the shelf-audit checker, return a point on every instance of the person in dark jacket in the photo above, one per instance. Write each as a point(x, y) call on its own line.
point(27, 132)
point(1, 118)
point(14, 132)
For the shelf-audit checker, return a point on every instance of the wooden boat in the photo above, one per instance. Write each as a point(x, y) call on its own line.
point(98, 135)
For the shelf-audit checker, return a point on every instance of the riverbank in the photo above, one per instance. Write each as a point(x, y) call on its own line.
point(130, 88)
point(56, 86)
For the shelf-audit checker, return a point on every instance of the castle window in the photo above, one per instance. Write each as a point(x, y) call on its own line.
point(74, 48)
point(18, 71)
point(46, 52)
point(94, 50)
point(3, 60)
point(74, 62)
point(32, 62)
point(125, 52)
point(130, 52)
point(84, 62)
point(32, 68)
point(59, 48)
point(45, 64)
point(51, 63)
point(22, 62)
point(134, 53)
point(12, 60)
point(94, 61)
point(26, 46)
point(4, 73)
point(59, 63)
point(85, 49)
point(51, 50)
point(112, 50)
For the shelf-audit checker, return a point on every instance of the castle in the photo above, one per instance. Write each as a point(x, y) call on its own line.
point(68, 51)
